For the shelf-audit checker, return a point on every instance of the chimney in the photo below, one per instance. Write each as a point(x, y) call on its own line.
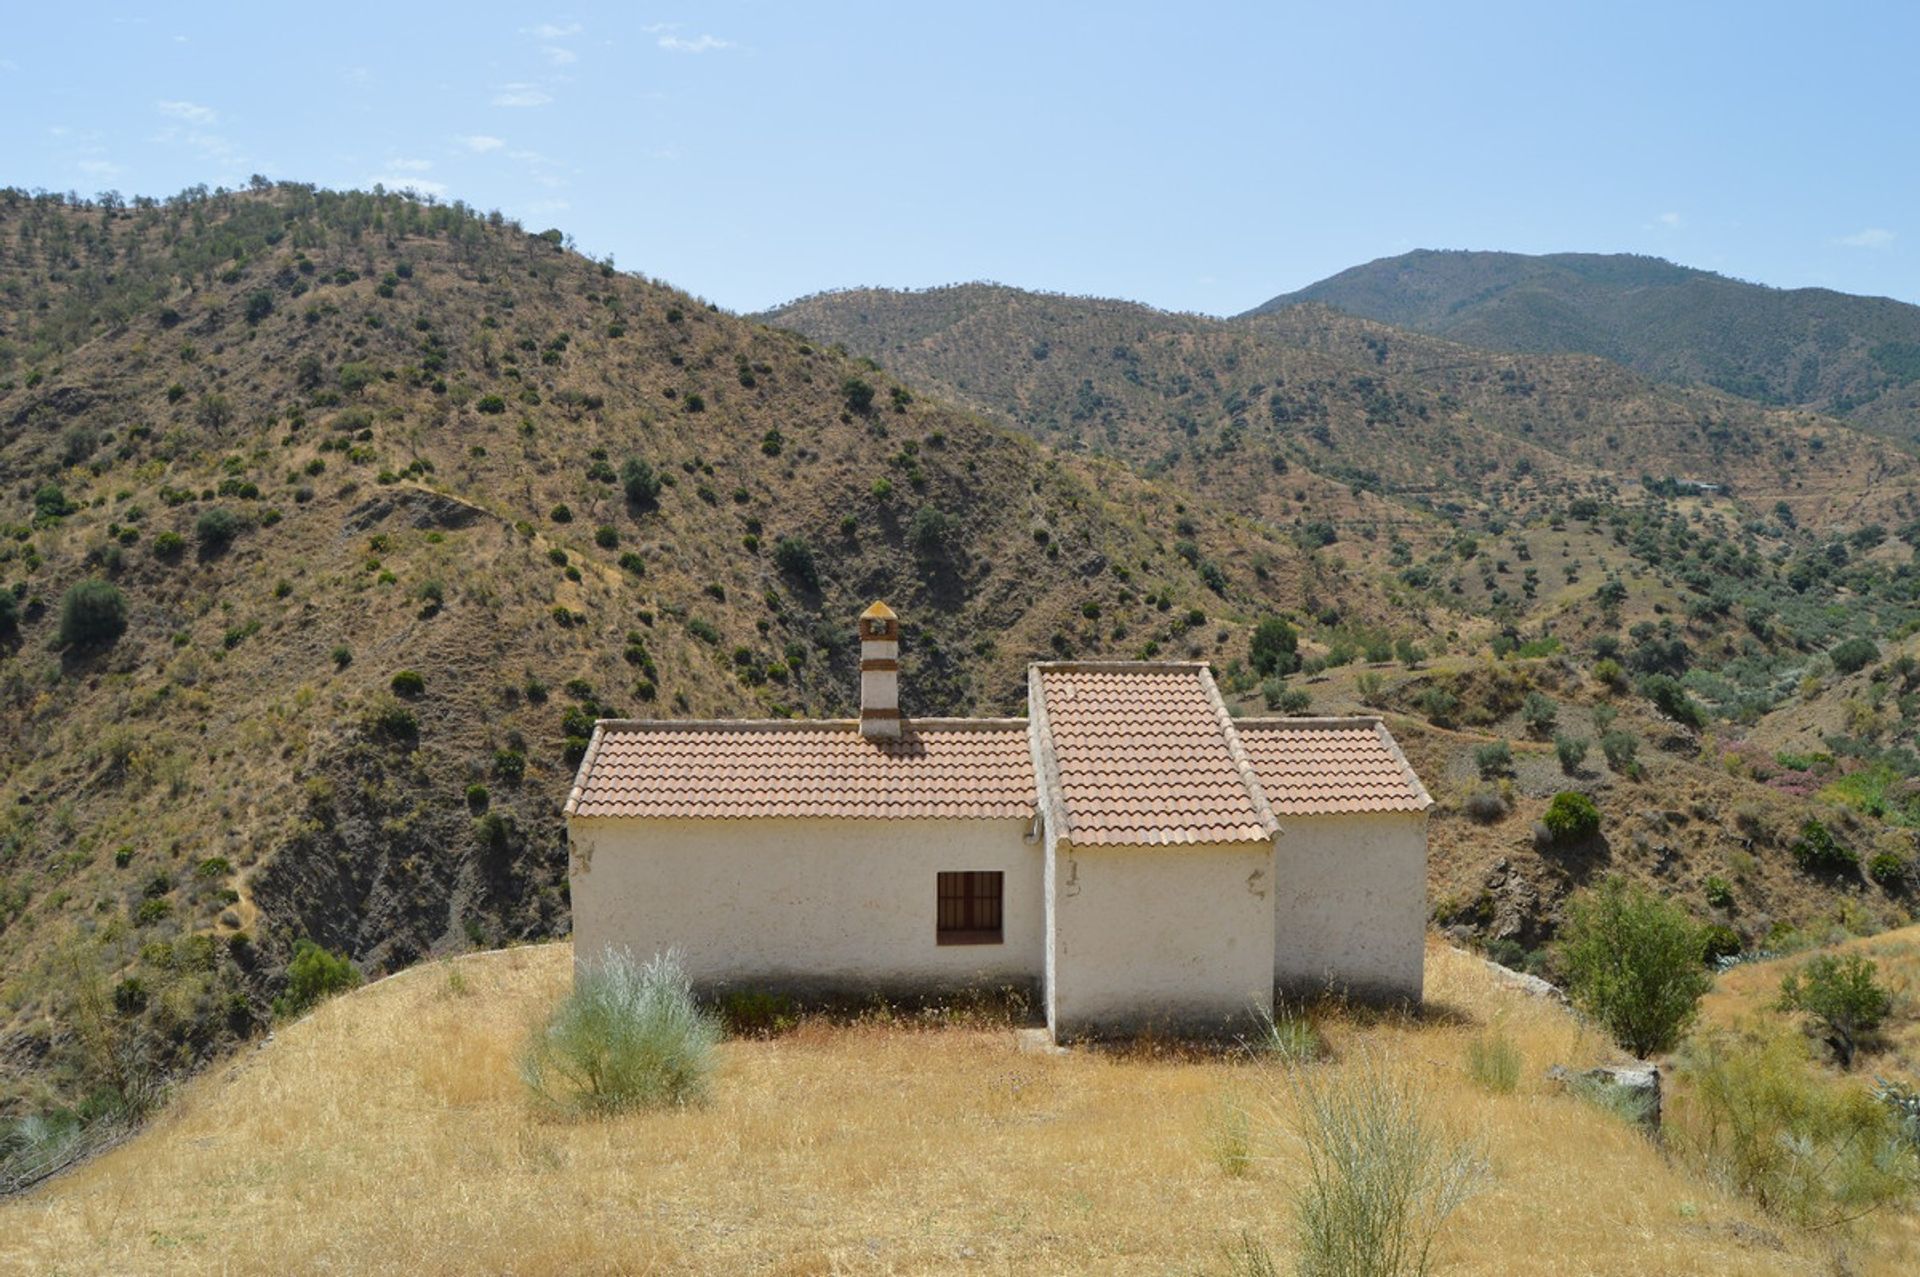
point(879, 672)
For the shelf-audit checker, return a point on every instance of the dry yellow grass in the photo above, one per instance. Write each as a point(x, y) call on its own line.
point(387, 1133)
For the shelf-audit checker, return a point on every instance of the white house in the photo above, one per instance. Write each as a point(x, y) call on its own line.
point(1129, 851)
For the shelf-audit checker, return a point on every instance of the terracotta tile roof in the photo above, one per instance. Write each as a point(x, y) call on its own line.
point(1331, 766)
point(1137, 752)
point(962, 768)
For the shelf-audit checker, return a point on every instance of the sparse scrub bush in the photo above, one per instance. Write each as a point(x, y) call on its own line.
point(1621, 750)
point(1540, 714)
point(1814, 1152)
point(628, 1036)
point(794, 557)
point(1818, 851)
point(1274, 648)
point(1439, 705)
point(1633, 962)
point(93, 613)
point(1289, 1035)
point(216, 528)
point(1494, 760)
point(1571, 751)
point(409, 683)
point(1719, 892)
point(1486, 805)
point(1382, 1175)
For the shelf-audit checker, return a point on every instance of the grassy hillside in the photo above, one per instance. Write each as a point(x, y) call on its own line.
point(388, 501)
point(388, 1133)
point(1812, 347)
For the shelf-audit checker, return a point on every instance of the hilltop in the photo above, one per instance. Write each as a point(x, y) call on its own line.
point(1814, 348)
point(390, 500)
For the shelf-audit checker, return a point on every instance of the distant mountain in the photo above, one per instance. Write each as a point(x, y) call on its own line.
point(1857, 357)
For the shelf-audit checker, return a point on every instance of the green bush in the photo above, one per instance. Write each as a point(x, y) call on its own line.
point(1274, 648)
point(1621, 749)
point(169, 546)
point(9, 611)
point(1571, 817)
point(1494, 760)
point(1843, 997)
point(1571, 751)
point(409, 683)
point(858, 394)
point(1888, 868)
point(1540, 714)
point(1672, 700)
point(93, 613)
point(1854, 655)
point(1721, 941)
point(215, 529)
point(628, 1036)
point(493, 404)
point(640, 483)
point(314, 975)
point(1633, 961)
point(1818, 851)
point(1719, 892)
point(1439, 705)
point(794, 557)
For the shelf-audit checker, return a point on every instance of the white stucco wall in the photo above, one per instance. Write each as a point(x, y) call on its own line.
point(1176, 936)
point(810, 904)
point(1351, 904)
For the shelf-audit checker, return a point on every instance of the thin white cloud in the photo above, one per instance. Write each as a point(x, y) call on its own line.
point(98, 168)
point(8, 64)
point(191, 112)
point(655, 28)
point(557, 56)
point(409, 166)
point(480, 143)
point(522, 94)
point(1870, 237)
point(554, 30)
point(1670, 219)
point(699, 44)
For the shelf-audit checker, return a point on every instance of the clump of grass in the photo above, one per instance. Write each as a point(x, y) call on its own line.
point(1494, 1062)
point(1289, 1035)
point(1230, 1136)
point(1381, 1174)
point(629, 1036)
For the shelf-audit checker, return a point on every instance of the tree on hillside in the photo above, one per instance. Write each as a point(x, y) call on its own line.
point(641, 484)
point(1274, 647)
point(1633, 962)
point(1842, 995)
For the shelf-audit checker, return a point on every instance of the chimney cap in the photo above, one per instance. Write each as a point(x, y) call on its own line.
point(879, 611)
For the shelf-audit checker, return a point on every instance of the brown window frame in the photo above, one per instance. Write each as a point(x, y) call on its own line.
point(969, 906)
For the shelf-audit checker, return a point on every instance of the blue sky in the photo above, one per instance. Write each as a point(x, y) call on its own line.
point(1194, 156)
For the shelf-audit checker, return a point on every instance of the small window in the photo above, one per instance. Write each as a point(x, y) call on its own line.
point(969, 911)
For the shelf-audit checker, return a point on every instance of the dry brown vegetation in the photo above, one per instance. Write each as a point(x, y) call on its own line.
point(387, 1133)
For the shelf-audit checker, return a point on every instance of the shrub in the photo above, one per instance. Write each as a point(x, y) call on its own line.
point(1439, 705)
point(1607, 673)
point(492, 404)
point(1818, 851)
point(216, 528)
point(1571, 751)
point(9, 612)
point(1274, 648)
point(1842, 996)
point(929, 531)
point(858, 394)
point(1719, 892)
point(314, 974)
point(641, 484)
point(1720, 941)
point(562, 513)
point(93, 613)
point(1571, 817)
point(1888, 868)
point(607, 538)
point(1381, 1175)
point(628, 1036)
point(1290, 1036)
point(169, 546)
point(1815, 1152)
point(409, 683)
point(1853, 655)
point(1633, 962)
point(1540, 714)
point(1620, 749)
point(1486, 805)
point(1672, 700)
point(794, 557)
point(1495, 759)
point(1494, 1062)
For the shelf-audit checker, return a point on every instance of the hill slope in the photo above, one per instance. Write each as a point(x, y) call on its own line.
point(319, 443)
point(1811, 347)
point(387, 1133)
